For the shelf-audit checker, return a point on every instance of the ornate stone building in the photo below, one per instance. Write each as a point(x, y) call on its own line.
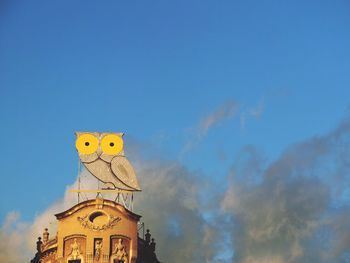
point(97, 230)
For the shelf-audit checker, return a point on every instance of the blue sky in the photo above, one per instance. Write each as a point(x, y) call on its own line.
point(157, 70)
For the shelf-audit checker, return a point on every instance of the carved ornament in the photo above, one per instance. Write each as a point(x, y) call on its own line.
point(86, 223)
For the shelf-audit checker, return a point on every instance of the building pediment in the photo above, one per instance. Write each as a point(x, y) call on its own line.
point(98, 204)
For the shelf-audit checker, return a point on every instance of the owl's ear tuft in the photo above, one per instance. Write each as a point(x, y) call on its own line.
point(77, 134)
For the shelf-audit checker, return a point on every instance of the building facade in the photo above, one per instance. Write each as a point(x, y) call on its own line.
point(96, 231)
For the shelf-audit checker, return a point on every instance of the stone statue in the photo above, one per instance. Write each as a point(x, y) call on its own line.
point(39, 243)
point(45, 236)
point(119, 251)
point(98, 247)
point(75, 252)
point(148, 236)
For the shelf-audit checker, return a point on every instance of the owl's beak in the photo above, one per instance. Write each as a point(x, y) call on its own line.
point(99, 151)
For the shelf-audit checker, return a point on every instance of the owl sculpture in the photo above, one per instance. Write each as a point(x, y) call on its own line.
point(103, 156)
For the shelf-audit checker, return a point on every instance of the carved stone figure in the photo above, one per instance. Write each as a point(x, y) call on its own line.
point(45, 236)
point(75, 250)
point(119, 251)
point(39, 243)
point(98, 247)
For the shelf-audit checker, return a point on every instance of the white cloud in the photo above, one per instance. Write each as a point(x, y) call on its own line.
point(223, 113)
point(284, 212)
point(253, 112)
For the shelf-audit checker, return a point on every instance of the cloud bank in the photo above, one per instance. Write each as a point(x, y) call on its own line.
point(293, 210)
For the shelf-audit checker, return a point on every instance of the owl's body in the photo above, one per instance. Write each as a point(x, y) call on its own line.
point(103, 156)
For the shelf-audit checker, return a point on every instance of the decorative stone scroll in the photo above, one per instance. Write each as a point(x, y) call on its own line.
point(86, 222)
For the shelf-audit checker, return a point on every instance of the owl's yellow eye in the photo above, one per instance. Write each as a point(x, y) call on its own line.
point(86, 144)
point(112, 144)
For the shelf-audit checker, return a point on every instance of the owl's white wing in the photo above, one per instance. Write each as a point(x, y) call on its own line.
point(123, 170)
point(102, 171)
